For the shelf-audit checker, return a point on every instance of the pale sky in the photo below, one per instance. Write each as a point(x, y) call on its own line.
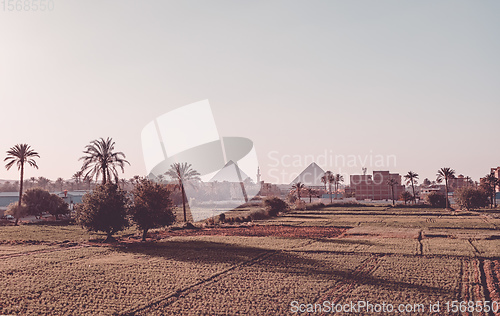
point(414, 80)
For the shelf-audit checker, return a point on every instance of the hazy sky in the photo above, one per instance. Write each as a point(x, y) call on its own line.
point(417, 81)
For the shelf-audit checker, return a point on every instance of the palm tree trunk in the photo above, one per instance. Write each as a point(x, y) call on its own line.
point(413, 189)
point(144, 234)
point(331, 197)
point(20, 191)
point(446, 187)
point(183, 201)
point(392, 190)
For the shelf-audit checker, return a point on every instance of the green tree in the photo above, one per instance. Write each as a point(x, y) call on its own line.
point(274, 205)
point(311, 192)
point(151, 207)
point(391, 183)
point(60, 183)
point(436, 199)
point(16, 210)
point(337, 179)
point(493, 182)
point(57, 206)
point(43, 182)
point(297, 187)
point(329, 178)
point(470, 198)
point(406, 196)
point(20, 155)
point(411, 178)
point(102, 160)
point(445, 174)
point(182, 173)
point(37, 201)
point(104, 209)
point(77, 176)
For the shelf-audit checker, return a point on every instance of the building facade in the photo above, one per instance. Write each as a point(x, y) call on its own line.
point(375, 187)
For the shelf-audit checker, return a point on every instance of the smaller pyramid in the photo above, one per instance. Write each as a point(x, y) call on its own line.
point(311, 176)
point(229, 173)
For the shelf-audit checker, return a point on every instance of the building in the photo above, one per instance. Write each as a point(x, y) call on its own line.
point(375, 187)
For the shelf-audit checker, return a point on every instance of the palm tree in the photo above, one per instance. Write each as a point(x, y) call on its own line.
point(60, 182)
point(493, 182)
point(101, 159)
point(445, 174)
point(43, 182)
point(77, 176)
point(19, 155)
point(296, 187)
point(324, 179)
point(328, 178)
point(411, 178)
point(392, 182)
point(311, 192)
point(182, 172)
point(32, 180)
point(338, 178)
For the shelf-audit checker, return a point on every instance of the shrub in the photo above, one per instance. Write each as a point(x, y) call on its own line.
point(259, 215)
point(470, 198)
point(151, 207)
point(315, 206)
point(104, 209)
point(222, 218)
point(16, 210)
point(436, 199)
point(274, 205)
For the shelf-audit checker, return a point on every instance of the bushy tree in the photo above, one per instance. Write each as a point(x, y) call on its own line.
point(57, 206)
point(16, 210)
point(436, 199)
point(470, 198)
point(104, 209)
point(37, 201)
point(151, 207)
point(274, 205)
point(406, 196)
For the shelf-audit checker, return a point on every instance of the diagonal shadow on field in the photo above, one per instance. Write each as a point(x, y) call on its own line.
point(281, 261)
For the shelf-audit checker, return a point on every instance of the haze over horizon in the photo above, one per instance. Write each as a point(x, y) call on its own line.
point(417, 81)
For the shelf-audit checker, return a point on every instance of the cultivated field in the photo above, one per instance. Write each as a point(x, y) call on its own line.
point(328, 256)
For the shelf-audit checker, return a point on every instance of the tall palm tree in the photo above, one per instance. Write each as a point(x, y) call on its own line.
point(392, 182)
point(182, 172)
point(102, 160)
point(296, 187)
point(19, 155)
point(33, 181)
point(445, 174)
point(493, 182)
point(328, 178)
point(60, 183)
point(77, 176)
point(338, 178)
point(411, 178)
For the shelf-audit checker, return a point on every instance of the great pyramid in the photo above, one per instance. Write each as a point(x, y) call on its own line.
point(311, 176)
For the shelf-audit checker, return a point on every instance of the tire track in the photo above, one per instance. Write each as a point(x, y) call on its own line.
point(211, 279)
point(49, 250)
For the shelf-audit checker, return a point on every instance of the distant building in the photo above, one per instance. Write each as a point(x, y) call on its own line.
point(375, 187)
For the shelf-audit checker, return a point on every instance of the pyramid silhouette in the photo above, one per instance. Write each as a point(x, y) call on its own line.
point(311, 175)
point(229, 173)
